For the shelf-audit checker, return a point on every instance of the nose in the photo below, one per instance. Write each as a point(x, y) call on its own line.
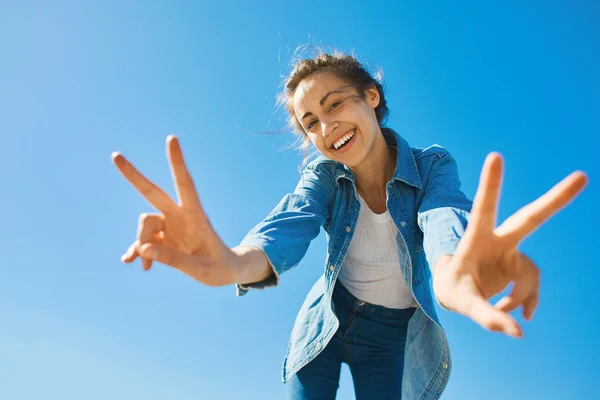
point(328, 127)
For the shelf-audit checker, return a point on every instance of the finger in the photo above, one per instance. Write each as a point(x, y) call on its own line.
point(529, 218)
point(507, 304)
point(485, 203)
point(530, 305)
point(155, 195)
point(148, 227)
point(493, 319)
point(520, 293)
point(166, 255)
point(131, 253)
point(527, 281)
point(184, 184)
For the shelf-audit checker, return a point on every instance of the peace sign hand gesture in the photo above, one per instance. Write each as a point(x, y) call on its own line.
point(181, 236)
point(487, 259)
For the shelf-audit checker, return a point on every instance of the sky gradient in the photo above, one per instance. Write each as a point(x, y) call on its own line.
point(79, 80)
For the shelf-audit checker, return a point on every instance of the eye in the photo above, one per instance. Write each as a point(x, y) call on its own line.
point(310, 125)
point(334, 105)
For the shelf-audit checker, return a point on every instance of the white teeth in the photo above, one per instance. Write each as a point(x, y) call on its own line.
point(343, 140)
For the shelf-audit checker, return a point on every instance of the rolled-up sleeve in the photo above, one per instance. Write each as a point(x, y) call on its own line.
point(287, 231)
point(444, 211)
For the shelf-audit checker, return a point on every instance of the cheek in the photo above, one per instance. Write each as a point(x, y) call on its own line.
point(367, 120)
point(315, 139)
point(359, 114)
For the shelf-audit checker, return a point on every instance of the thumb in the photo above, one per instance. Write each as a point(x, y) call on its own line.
point(168, 256)
point(491, 318)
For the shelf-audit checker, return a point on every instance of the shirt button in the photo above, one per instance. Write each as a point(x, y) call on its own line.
point(318, 346)
point(360, 303)
point(332, 268)
point(445, 365)
point(348, 229)
point(403, 224)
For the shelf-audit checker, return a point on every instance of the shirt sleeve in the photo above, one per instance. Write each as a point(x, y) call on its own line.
point(444, 210)
point(287, 231)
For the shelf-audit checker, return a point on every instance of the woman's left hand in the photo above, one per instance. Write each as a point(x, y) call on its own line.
point(487, 258)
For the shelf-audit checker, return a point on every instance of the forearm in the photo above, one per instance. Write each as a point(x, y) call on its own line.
point(250, 265)
point(438, 270)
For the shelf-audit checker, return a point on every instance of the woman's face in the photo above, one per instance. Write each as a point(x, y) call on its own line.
point(340, 123)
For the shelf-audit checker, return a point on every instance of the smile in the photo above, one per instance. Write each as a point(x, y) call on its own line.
point(343, 140)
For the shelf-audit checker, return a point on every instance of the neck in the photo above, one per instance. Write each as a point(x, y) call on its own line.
point(377, 169)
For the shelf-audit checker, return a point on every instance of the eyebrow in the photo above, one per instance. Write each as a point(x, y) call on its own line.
point(338, 90)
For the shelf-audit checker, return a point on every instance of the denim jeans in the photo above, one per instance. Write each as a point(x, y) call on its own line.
point(371, 340)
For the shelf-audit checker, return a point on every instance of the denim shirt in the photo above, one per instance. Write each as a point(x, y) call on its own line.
point(431, 212)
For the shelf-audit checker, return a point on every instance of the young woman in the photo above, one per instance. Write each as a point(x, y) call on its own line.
point(395, 217)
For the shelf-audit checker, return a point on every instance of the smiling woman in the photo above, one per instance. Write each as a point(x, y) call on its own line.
point(395, 217)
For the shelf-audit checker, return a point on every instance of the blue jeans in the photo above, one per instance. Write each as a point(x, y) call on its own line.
point(371, 340)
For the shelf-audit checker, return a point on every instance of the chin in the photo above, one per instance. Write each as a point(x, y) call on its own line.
point(351, 161)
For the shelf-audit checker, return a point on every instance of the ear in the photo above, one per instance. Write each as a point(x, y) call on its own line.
point(372, 97)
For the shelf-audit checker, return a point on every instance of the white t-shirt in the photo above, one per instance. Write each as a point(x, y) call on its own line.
point(371, 269)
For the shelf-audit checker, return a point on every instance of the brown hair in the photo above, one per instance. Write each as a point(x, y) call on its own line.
point(345, 67)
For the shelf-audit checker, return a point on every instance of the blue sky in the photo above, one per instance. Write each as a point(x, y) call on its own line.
point(79, 80)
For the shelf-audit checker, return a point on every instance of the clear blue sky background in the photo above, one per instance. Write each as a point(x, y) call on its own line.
point(79, 80)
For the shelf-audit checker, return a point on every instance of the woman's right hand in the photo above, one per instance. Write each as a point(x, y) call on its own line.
point(181, 235)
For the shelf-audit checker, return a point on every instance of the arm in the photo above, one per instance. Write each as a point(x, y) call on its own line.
point(250, 264)
point(487, 258)
point(444, 210)
point(279, 242)
point(182, 236)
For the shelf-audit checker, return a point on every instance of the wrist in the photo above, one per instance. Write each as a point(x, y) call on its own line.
point(248, 265)
point(236, 263)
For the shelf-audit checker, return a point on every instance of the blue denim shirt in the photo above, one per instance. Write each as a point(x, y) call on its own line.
point(431, 213)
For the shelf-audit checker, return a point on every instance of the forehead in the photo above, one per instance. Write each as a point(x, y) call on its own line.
point(311, 90)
